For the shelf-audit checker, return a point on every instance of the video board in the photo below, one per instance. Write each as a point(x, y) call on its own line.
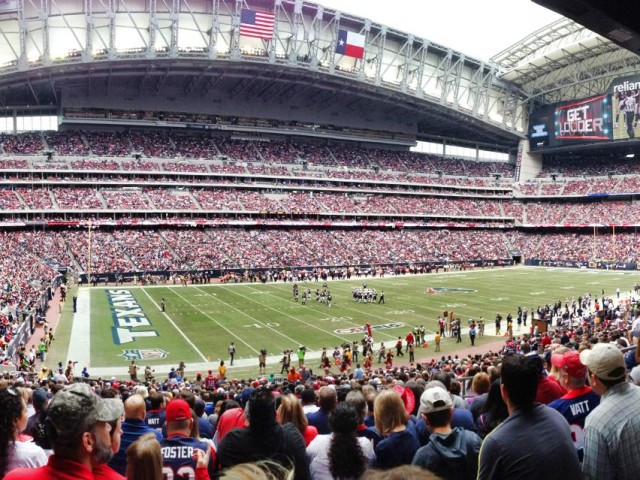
point(625, 101)
point(571, 123)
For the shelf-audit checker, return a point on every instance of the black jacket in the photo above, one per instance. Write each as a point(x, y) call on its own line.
point(280, 443)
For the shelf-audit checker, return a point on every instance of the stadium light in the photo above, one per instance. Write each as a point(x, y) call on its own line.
point(630, 155)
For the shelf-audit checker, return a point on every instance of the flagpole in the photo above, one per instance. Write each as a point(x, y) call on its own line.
point(614, 243)
point(89, 256)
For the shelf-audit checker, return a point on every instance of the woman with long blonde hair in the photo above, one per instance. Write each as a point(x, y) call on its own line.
point(400, 439)
point(290, 411)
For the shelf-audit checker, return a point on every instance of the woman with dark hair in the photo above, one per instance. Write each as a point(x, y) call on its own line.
point(494, 411)
point(341, 454)
point(13, 420)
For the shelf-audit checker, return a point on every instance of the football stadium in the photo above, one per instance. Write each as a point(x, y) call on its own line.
point(212, 199)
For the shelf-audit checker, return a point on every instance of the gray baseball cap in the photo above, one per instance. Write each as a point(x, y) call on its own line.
point(76, 409)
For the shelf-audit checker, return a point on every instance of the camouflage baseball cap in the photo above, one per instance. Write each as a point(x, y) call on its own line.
point(76, 409)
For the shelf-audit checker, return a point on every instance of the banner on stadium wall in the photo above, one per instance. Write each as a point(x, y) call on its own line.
point(519, 161)
point(586, 264)
point(583, 120)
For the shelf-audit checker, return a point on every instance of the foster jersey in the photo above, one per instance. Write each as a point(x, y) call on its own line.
point(178, 461)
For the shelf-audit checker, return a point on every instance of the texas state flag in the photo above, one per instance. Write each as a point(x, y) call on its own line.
point(350, 44)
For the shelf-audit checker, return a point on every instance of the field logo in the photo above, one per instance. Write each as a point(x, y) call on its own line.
point(433, 290)
point(144, 354)
point(363, 329)
point(127, 315)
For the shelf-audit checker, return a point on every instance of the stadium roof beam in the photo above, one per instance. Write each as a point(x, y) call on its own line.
point(191, 37)
point(539, 42)
point(563, 61)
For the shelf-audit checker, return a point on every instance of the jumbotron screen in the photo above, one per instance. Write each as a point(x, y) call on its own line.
point(580, 121)
point(612, 115)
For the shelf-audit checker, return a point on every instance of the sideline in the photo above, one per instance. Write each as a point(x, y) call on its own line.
point(80, 342)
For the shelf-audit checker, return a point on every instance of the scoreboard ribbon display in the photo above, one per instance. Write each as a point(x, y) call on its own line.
point(584, 120)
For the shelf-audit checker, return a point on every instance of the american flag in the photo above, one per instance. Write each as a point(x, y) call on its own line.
point(257, 24)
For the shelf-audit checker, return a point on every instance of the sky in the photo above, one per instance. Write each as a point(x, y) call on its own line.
point(478, 28)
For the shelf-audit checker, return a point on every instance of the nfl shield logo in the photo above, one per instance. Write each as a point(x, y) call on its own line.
point(144, 354)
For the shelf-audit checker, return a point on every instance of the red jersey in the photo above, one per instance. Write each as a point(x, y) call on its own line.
point(210, 382)
point(56, 469)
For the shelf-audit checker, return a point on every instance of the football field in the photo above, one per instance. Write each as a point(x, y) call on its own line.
point(114, 325)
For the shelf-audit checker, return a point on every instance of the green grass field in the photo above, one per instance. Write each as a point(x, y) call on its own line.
point(201, 321)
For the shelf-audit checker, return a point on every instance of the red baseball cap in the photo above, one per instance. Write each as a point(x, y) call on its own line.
point(407, 397)
point(570, 363)
point(178, 410)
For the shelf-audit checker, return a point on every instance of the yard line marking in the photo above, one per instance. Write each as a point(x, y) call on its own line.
point(291, 316)
point(175, 292)
point(338, 306)
point(252, 318)
point(204, 359)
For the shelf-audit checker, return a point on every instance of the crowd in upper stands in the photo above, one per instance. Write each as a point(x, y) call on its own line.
point(161, 145)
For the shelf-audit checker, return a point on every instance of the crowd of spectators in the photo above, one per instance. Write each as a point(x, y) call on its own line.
point(153, 145)
point(225, 248)
point(197, 146)
point(594, 213)
point(461, 416)
point(109, 144)
point(35, 198)
point(591, 167)
point(580, 247)
point(579, 187)
point(128, 250)
point(28, 143)
point(126, 199)
point(25, 276)
point(9, 200)
point(77, 198)
point(66, 143)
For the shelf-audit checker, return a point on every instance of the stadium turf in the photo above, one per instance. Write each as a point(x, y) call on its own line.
point(200, 321)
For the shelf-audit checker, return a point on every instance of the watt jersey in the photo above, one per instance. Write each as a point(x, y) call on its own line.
point(155, 419)
point(178, 461)
point(575, 406)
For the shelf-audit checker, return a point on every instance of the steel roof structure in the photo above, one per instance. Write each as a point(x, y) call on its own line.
point(50, 49)
point(192, 50)
point(564, 61)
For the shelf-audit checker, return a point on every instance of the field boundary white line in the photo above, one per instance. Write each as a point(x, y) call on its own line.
point(80, 341)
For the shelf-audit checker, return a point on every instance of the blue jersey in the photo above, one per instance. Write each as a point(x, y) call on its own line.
point(178, 453)
point(575, 406)
point(155, 419)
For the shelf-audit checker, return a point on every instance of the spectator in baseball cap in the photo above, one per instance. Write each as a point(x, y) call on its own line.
point(78, 426)
point(611, 431)
point(179, 446)
point(451, 453)
point(580, 400)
